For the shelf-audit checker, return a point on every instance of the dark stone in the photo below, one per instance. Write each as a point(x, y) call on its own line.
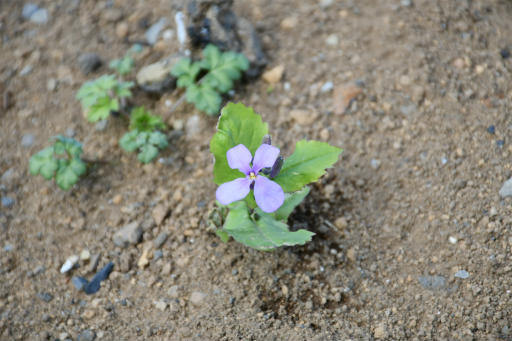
point(505, 53)
point(79, 282)
point(500, 143)
point(491, 129)
point(95, 284)
point(89, 62)
point(214, 22)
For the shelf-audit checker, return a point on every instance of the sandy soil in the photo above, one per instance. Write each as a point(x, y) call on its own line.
point(413, 200)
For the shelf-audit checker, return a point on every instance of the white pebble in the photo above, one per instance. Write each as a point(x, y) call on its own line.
point(327, 87)
point(69, 264)
point(168, 34)
point(452, 240)
point(462, 274)
point(180, 27)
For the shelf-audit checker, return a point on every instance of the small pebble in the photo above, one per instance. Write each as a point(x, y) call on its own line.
point(157, 255)
point(27, 140)
point(328, 86)
point(86, 335)
point(505, 53)
point(274, 75)
point(8, 247)
point(69, 264)
point(452, 240)
point(40, 16)
point(173, 292)
point(432, 282)
point(70, 132)
point(45, 296)
point(500, 143)
point(168, 34)
point(506, 189)
point(85, 255)
point(89, 62)
point(101, 125)
point(7, 202)
point(462, 274)
point(154, 31)
point(332, 40)
point(79, 282)
point(374, 163)
point(197, 298)
point(95, 284)
point(161, 305)
point(26, 70)
point(28, 10)
point(491, 129)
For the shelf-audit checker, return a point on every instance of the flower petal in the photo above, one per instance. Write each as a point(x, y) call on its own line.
point(239, 157)
point(234, 190)
point(265, 156)
point(268, 194)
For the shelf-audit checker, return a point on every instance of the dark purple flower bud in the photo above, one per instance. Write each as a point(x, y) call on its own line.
point(266, 140)
point(276, 168)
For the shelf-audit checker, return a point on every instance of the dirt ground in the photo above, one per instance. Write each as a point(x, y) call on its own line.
point(412, 201)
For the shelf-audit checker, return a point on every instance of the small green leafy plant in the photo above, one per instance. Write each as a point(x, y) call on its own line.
point(218, 69)
point(124, 65)
point(144, 135)
point(257, 185)
point(61, 161)
point(102, 96)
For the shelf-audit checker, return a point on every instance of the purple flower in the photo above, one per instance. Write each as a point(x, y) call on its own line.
point(268, 194)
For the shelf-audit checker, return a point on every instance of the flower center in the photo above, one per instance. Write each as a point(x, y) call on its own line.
point(252, 176)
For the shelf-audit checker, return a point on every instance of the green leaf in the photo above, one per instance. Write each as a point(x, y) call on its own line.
point(223, 68)
point(186, 71)
point(204, 98)
point(101, 109)
point(147, 153)
point(223, 235)
point(264, 234)
point(78, 167)
point(306, 164)
point(68, 145)
point(129, 141)
point(66, 177)
point(143, 120)
point(100, 96)
point(158, 139)
point(123, 89)
point(43, 163)
point(291, 200)
point(238, 124)
point(122, 66)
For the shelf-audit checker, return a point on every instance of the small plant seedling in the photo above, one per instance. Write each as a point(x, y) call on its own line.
point(144, 135)
point(257, 185)
point(122, 66)
point(61, 161)
point(102, 96)
point(219, 70)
